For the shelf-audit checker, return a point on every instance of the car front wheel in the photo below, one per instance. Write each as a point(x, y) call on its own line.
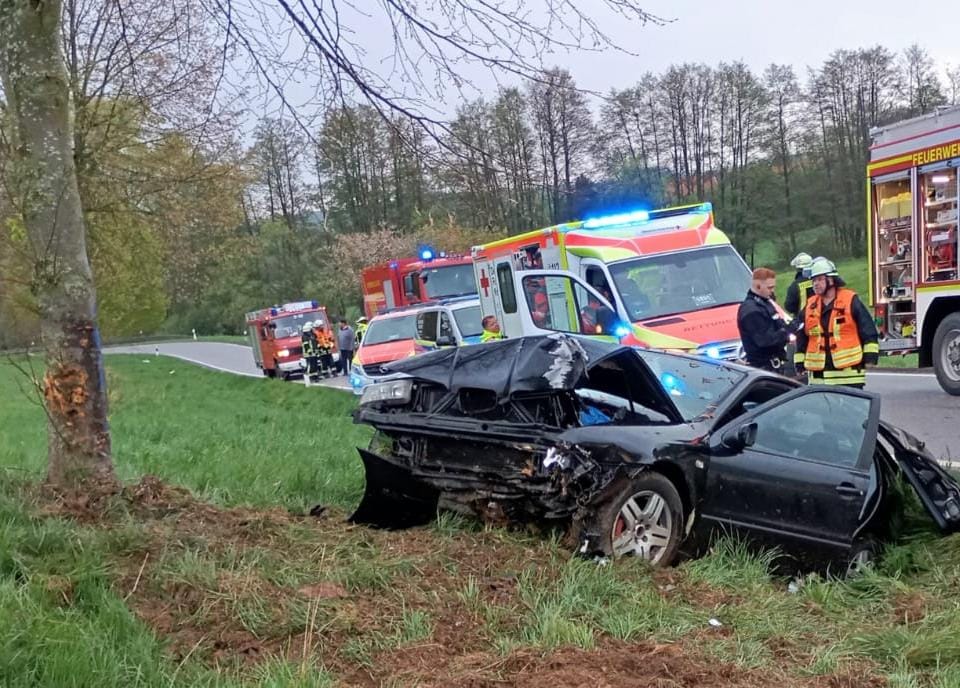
point(643, 519)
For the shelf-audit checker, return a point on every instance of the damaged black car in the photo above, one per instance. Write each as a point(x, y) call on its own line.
point(639, 452)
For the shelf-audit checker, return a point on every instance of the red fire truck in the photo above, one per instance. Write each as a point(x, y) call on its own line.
point(913, 239)
point(407, 281)
point(274, 335)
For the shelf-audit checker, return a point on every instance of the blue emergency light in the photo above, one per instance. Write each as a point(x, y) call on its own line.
point(426, 254)
point(713, 352)
point(621, 330)
point(618, 219)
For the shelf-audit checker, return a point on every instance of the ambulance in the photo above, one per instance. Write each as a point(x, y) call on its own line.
point(671, 277)
point(913, 241)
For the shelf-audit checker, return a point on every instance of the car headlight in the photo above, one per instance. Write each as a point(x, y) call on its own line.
point(358, 369)
point(393, 392)
point(283, 353)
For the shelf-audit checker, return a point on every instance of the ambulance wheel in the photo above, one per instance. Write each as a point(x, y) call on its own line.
point(946, 354)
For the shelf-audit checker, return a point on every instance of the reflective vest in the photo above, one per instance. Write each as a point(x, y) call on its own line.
point(804, 288)
point(846, 350)
point(358, 337)
point(488, 336)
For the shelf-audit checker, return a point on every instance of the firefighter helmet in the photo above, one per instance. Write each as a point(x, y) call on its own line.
point(306, 327)
point(822, 266)
point(361, 320)
point(801, 261)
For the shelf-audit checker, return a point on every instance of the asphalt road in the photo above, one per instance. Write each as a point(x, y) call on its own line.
point(912, 401)
point(228, 358)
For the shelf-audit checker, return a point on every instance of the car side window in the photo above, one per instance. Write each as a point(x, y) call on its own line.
point(828, 427)
point(446, 328)
point(427, 326)
point(598, 280)
point(560, 304)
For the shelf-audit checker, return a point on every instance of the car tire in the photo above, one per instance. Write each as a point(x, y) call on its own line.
point(654, 506)
point(946, 354)
point(862, 555)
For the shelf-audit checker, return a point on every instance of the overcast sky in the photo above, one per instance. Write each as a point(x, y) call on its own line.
point(759, 32)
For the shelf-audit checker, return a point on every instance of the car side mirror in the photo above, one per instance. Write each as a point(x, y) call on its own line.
point(740, 438)
point(445, 340)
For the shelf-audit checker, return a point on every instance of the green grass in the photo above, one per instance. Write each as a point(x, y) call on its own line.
point(76, 598)
point(230, 439)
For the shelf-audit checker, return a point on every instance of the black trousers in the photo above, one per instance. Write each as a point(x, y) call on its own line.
point(346, 356)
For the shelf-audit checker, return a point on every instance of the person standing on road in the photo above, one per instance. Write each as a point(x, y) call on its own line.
point(763, 331)
point(491, 329)
point(308, 344)
point(345, 340)
point(839, 338)
point(361, 328)
point(800, 289)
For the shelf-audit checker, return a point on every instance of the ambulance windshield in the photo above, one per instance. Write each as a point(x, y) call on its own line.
point(450, 280)
point(658, 285)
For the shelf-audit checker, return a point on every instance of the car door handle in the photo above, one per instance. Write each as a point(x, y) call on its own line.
point(849, 490)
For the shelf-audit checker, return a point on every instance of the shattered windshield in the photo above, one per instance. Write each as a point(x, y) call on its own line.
point(451, 280)
point(682, 282)
point(695, 386)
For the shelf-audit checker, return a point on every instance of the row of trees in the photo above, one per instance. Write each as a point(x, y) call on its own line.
point(185, 235)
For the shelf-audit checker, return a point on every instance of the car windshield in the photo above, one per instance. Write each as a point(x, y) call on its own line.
point(468, 320)
point(695, 386)
point(450, 280)
point(391, 329)
point(681, 282)
point(291, 325)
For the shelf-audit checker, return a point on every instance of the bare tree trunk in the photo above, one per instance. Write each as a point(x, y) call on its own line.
point(45, 186)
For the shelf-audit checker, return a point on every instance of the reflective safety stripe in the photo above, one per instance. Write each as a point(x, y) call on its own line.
point(846, 350)
point(803, 287)
point(847, 376)
point(871, 348)
point(844, 358)
point(798, 357)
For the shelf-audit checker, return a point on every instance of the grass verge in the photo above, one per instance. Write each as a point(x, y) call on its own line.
point(230, 583)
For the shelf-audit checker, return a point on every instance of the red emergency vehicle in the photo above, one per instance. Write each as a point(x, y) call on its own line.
point(407, 281)
point(670, 273)
point(275, 333)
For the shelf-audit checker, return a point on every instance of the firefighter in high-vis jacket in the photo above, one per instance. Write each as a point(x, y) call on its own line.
point(838, 338)
point(362, 324)
point(308, 343)
point(800, 289)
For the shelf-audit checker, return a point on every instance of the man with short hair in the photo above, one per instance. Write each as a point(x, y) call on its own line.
point(345, 340)
point(491, 329)
point(763, 332)
point(839, 338)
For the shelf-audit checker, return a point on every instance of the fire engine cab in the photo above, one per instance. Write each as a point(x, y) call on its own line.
point(671, 277)
point(406, 281)
point(274, 335)
point(912, 239)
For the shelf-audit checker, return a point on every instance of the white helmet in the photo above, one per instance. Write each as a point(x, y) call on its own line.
point(306, 327)
point(801, 261)
point(822, 266)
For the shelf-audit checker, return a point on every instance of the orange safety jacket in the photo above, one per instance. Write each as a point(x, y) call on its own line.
point(846, 349)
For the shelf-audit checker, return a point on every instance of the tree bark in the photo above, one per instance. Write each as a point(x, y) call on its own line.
point(44, 184)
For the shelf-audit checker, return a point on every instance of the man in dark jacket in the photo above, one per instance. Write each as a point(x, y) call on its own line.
point(345, 341)
point(762, 330)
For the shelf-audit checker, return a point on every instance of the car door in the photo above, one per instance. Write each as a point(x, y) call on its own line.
point(798, 469)
point(427, 328)
point(558, 301)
